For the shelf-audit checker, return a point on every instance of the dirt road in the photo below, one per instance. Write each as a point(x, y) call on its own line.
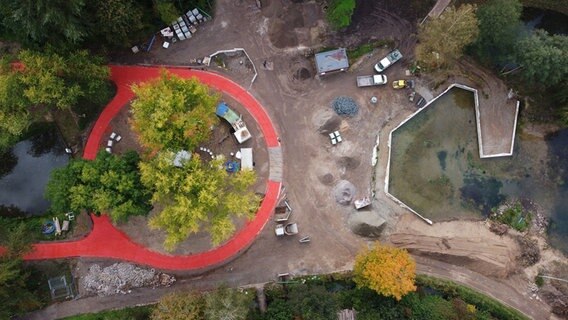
point(501, 291)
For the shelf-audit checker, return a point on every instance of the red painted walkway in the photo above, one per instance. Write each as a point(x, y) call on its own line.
point(105, 241)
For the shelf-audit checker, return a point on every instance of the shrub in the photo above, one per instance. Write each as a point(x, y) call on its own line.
point(339, 13)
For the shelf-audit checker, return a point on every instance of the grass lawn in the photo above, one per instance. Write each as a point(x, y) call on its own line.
point(134, 313)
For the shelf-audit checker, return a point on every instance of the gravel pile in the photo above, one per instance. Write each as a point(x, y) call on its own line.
point(121, 277)
point(345, 106)
point(343, 192)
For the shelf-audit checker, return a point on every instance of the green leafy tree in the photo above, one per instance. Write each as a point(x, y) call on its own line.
point(443, 39)
point(339, 13)
point(56, 81)
point(499, 24)
point(278, 310)
point(387, 270)
point(166, 11)
point(179, 306)
point(117, 21)
point(198, 196)
point(173, 113)
point(59, 23)
point(15, 294)
point(227, 304)
point(14, 115)
point(313, 302)
point(429, 307)
point(544, 58)
point(109, 184)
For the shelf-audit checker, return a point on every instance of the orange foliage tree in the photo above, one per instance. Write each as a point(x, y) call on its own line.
point(387, 270)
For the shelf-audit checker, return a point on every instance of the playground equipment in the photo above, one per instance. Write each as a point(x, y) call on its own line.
point(235, 120)
point(289, 229)
point(48, 227)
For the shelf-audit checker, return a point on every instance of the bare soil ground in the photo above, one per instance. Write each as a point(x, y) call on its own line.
point(300, 109)
point(222, 142)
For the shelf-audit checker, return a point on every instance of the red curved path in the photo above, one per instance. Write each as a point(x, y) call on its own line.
point(105, 241)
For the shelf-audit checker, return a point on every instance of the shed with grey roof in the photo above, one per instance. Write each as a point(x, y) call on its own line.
point(332, 61)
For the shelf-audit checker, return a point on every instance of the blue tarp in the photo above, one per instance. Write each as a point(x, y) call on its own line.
point(222, 108)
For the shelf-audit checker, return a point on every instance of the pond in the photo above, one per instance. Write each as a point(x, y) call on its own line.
point(435, 167)
point(25, 170)
point(551, 21)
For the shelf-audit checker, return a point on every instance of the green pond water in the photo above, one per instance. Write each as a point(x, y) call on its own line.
point(436, 169)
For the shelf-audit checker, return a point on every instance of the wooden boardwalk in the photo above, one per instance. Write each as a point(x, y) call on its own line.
point(497, 121)
point(438, 8)
point(276, 162)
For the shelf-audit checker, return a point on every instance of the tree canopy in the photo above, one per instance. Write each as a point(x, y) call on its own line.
point(544, 58)
point(65, 25)
point(339, 13)
point(14, 114)
point(117, 21)
point(220, 304)
point(37, 23)
point(109, 184)
point(60, 81)
point(387, 270)
point(197, 196)
point(227, 304)
point(15, 295)
point(443, 39)
point(499, 26)
point(44, 81)
point(173, 113)
point(313, 302)
point(179, 306)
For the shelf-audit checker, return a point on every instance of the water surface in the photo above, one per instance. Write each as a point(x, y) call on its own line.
point(437, 171)
point(25, 171)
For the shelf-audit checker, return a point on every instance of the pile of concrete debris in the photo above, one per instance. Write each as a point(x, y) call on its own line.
point(121, 277)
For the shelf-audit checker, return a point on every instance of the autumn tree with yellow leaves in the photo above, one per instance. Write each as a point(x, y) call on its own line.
point(387, 270)
point(173, 113)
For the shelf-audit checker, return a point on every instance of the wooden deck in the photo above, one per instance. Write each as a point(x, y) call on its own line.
point(497, 121)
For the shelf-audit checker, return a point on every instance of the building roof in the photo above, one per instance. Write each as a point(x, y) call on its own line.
point(332, 60)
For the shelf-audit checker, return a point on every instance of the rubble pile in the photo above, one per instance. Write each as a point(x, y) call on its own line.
point(498, 228)
point(345, 106)
point(121, 277)
point(530, 253)
point(540, 223)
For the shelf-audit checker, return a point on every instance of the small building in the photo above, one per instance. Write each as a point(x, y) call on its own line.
point(332, 61)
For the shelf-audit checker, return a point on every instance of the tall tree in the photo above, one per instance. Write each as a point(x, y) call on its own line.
point(387, 270)
point(173, 113)
point(544, 58)
point(197, 196)
point(227, 304)
point(499, 27)
point(15, 295)
point(59, 23)
point(313, 302)
point(60, 81)
point(179, 306)
point(14, 115)
point(443, 39)
point(117, 20)
point(109, 184)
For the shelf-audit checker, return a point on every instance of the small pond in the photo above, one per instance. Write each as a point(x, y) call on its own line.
point(551, 21)
point(437, 171)
point(25, 170)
